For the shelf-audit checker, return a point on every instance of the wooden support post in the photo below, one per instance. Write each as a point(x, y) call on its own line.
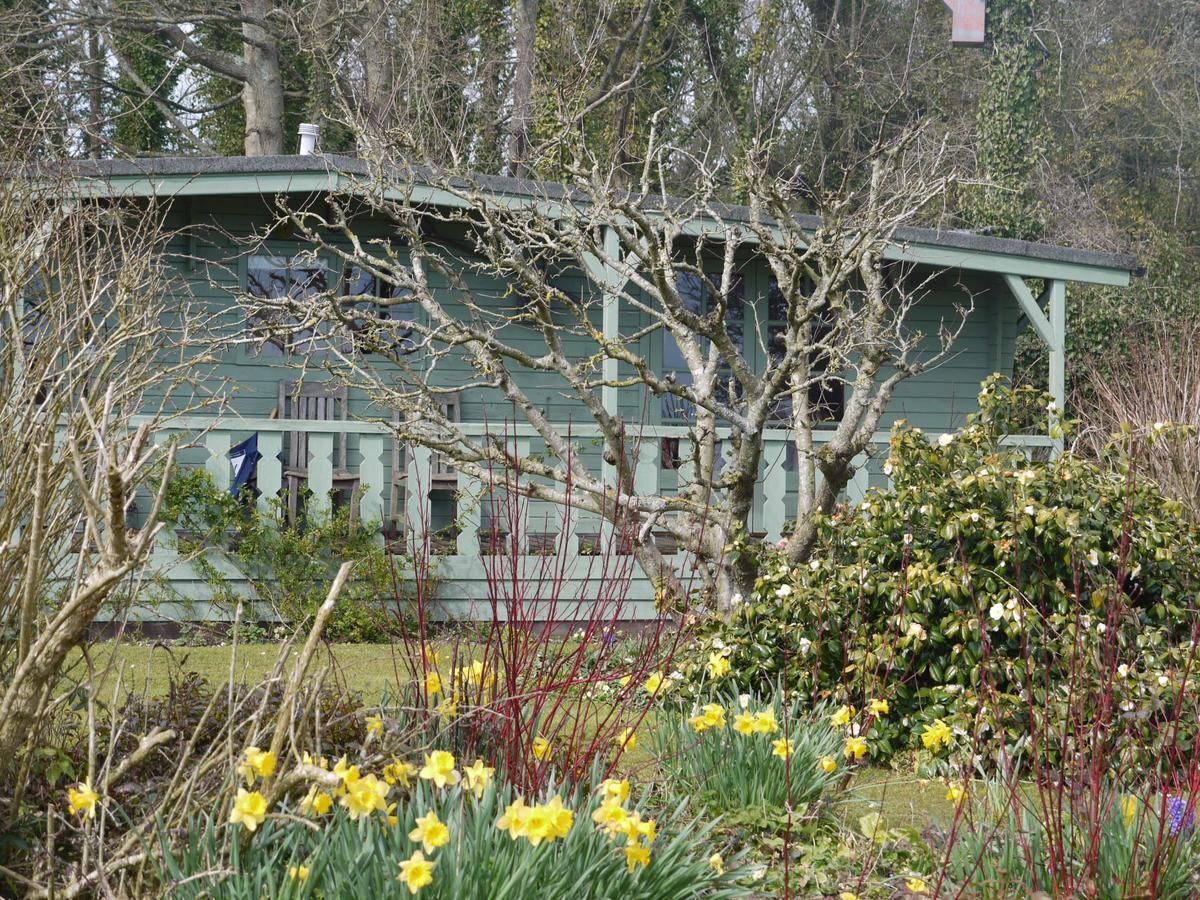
point(1058, 359)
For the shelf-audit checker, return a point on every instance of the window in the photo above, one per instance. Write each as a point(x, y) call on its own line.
point(277, 278)
point(827, 397)
point(699, 297)
point(384, 302)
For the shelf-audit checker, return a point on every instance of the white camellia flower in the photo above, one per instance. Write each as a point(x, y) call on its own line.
point(784, 590)
point(945, 440)
point(1163, 681)
point(915, 630)
point(814, 564)
point(997, 611)
point(1029, 510)
point(805, 644)
point(1102, 628)
point(974, 517)
point(887, 468)
point(1093, 558)
point(1123, 670)
point(736, 600)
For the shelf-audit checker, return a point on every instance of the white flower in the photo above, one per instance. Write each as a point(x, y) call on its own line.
point(974, 517)
point(997, 611)
point(907, 539)
point(805, 643)
point(1163, 681)
point(945, 440)
point(1029, 510)
point(736, 600)
point(1135, 571)
point(743, 700)
point(1123, 670)
point(784, 590)
point(814, 564)
point(1159, 426)
point(1051, 406)
point(718, 644)
point(915, 630)
point(1102, 628)
point(1025, 476)
point(887, 468)
point(1093, 558)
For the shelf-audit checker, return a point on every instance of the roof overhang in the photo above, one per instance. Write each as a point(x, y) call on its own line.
point(270, 176)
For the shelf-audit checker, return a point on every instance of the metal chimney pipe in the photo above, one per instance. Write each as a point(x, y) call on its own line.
point(309, 135)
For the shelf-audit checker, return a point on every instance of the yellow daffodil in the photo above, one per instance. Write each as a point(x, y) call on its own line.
point(439, 768)
point(416, 872)
point(764, 722)
point(347, 773)
point(717, 863)
point(623, 681)
point(711, 715)
point(1129, 808)
point(82, 800)
point(447, 709)
point(611, 816)
point(316, 802)
point(431, 832)
point(537, 825)
point(541, 748)
point(955, 793)
point(513, 820)
point(368, 795)
point(478, 777)
point(256, 764)
point(718, 665)
point(879, 707)
point(399, 772)
point(782, 748)
point(847, 895)
point(855, 748)
point(743, 723)
point(936, 736)
point(249, 809)
point(842, 716)
point(611, 788)
point(561, 818)
point(298, 873)
point(826, 764)
point(309, 760)
point(636, 854)
point(916, 886)
point(374, 726)
point(433, 684)
point(653, 683)
point(626, 740)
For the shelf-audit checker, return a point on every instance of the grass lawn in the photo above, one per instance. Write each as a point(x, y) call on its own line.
point(902, 799)
point(148, 667)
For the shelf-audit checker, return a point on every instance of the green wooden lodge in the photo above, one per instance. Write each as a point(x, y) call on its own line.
point(336, 443)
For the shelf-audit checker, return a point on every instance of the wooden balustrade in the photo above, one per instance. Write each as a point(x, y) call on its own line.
point(372, 442)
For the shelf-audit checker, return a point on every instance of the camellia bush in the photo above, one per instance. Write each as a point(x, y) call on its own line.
point(980, 572)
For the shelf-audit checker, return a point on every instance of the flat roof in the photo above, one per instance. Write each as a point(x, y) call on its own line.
point(187, 174)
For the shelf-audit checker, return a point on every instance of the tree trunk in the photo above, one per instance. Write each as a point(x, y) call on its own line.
point(526, 12)
point(262, 93)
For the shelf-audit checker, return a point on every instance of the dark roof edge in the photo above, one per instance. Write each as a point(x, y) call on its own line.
point(262, 165)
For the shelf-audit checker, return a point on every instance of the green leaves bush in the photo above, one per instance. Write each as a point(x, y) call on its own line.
point(977, 567)
point(288, 567)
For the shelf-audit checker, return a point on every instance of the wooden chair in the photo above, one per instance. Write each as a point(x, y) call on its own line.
point(443, 475)
point(314, 402)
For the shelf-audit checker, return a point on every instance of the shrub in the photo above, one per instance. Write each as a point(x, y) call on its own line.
point(285, 566)
point(978, 565)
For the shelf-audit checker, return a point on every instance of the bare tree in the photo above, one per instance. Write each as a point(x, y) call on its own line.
point(87, 342)
point(845, 322)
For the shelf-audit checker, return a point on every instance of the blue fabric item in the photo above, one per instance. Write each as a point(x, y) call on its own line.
point(245, 457)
